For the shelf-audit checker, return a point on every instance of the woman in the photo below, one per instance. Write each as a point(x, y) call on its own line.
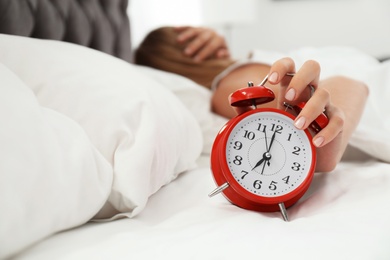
point(162, 50)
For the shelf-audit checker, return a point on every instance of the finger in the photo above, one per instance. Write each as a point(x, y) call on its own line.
point(198, 43)
point(210, 48)
point(186, 33)
point(332, 130)
point(179, 29)
point(277, 75)
point(313, 108)
point(279, 69)
point(308, 74)
point(223, 53)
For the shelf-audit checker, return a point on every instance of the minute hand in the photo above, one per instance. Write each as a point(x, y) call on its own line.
point(272, 141)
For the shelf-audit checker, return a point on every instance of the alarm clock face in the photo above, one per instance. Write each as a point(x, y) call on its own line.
point(267, 155)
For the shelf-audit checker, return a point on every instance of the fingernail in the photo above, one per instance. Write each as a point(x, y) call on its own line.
point(318, 141)
point(300, 122)
point(273, 77)
point(290, 94)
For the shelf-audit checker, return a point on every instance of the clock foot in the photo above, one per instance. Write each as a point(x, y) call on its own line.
point(219, 189)
point(283, 211)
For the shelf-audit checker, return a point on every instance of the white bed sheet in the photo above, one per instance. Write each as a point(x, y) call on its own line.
point(344, 215)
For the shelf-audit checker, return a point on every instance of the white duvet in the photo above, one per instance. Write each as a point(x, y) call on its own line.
point(82, 129)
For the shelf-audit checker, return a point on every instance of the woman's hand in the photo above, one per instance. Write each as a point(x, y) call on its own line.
point(332, 95)
point(202, 43)
point(297, 89)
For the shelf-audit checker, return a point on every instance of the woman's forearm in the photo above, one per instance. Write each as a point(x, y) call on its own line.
point(350, 97)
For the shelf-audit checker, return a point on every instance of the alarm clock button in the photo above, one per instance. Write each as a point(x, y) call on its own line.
point(249, 96)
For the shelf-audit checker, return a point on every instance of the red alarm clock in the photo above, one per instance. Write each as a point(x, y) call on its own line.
point(260, 161)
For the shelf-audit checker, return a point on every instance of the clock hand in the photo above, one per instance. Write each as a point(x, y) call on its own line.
point(266, 142)
point(266, 157)
point(259, 163)
point(269, 148)
point(272, 141)
point(262, 170)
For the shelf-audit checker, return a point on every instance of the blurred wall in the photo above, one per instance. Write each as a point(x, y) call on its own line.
point(279, 25)
point(146, 15)
point(290, 24)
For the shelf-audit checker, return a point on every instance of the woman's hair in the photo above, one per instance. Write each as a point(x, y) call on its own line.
point(161, 50)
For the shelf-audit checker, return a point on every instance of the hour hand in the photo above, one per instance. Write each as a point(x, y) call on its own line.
point(266, 157)
point(258, 163)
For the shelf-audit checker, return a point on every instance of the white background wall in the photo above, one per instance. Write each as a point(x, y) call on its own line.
point(146, 15)
point(279, 25)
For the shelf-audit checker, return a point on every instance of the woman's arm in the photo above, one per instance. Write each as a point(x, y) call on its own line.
point(348, 99)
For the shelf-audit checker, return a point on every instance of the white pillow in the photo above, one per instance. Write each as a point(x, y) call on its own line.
point(51, 177)
point(141, 128)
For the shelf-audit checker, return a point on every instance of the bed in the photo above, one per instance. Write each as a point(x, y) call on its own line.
point(103, 159)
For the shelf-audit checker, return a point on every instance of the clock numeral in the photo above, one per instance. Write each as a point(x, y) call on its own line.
point(257, 184)
point(245, 173)
point(237, 145)
point(289, 137)
point(237, 160)
point(277, 128)
point(272, 185)
point(296, 150)
point(262, 128)
point(286, 179)
point(249, 134)
point(296, 166)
